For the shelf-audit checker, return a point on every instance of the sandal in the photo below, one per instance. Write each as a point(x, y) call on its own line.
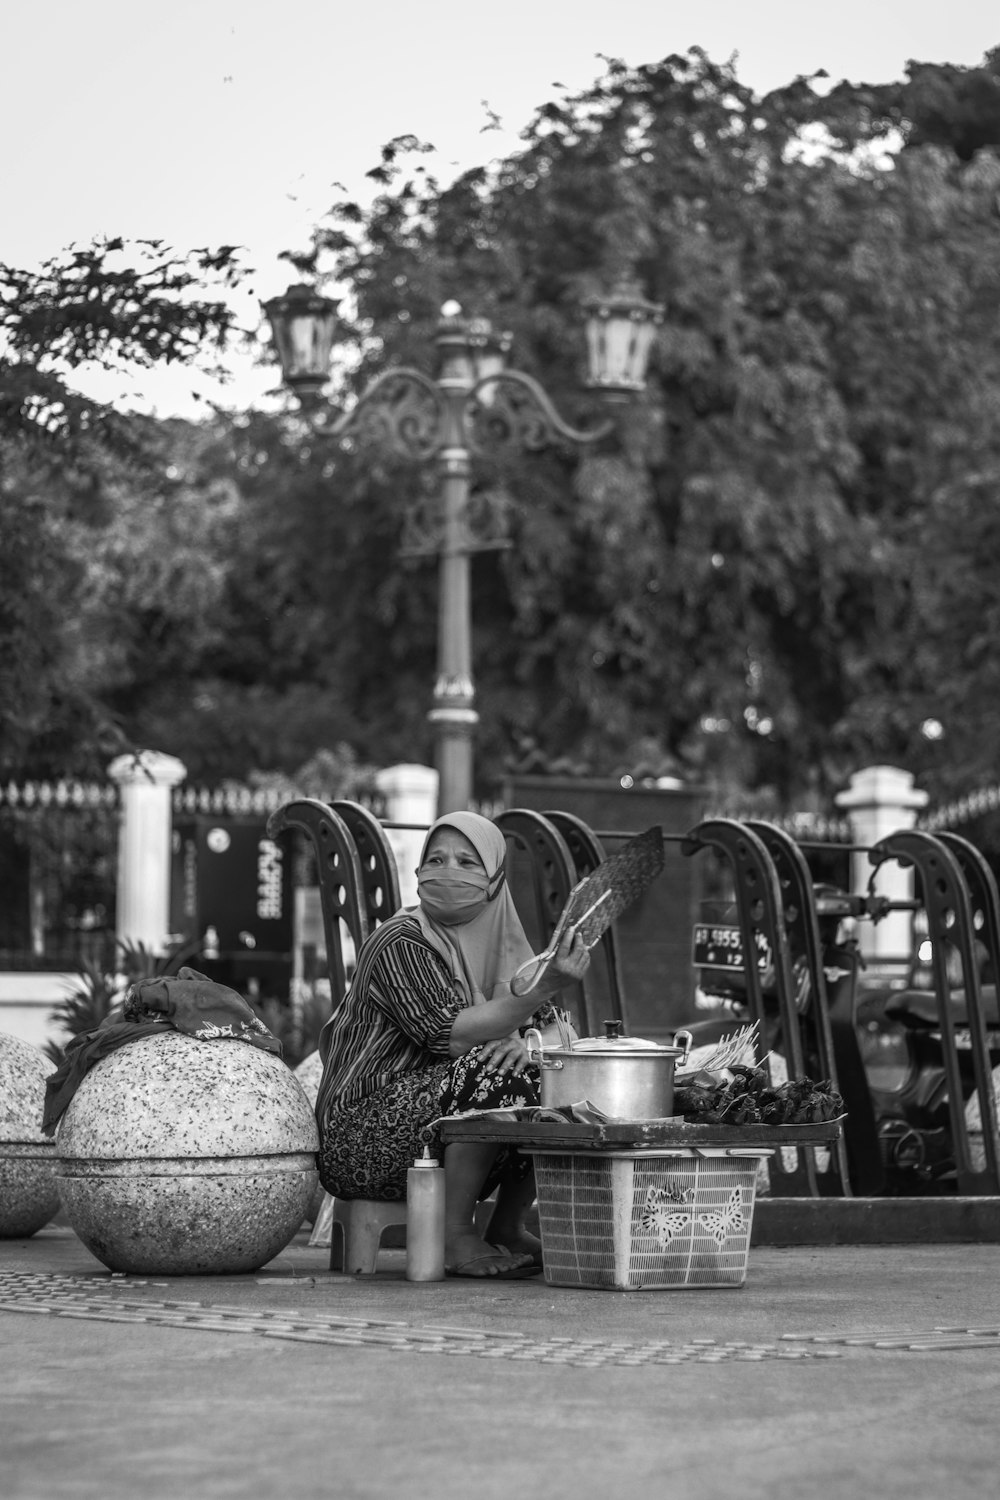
point(505, 1273)
point(536, 1255)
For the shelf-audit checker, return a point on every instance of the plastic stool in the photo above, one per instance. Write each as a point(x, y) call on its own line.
point(356, 1232)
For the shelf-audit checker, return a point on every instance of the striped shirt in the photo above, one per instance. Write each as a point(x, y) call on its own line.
point(396, 1017)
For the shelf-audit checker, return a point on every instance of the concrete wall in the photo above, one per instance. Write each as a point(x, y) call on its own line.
point(26, 1001)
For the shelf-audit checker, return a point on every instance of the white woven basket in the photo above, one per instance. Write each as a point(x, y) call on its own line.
point(641, 1219)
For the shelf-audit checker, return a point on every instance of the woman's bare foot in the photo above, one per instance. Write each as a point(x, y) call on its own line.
point(467, 1255)
point(517, 1242)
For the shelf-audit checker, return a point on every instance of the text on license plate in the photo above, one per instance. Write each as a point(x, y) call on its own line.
point(721, 947)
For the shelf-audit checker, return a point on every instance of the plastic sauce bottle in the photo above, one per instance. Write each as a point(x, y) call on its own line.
point(425, 1220)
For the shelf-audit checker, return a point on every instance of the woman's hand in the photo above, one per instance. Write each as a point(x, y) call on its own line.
point(572, 958)
point(569, 965)
point(508, 1055)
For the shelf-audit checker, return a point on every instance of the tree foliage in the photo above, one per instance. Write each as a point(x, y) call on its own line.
point(758, 577)
point(781, 568)
point(113, 304)
point(66, 464)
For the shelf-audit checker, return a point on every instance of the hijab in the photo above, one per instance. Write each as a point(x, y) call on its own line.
point(483, 953)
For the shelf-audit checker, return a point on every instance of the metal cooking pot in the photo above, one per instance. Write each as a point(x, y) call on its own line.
point(626, 1077)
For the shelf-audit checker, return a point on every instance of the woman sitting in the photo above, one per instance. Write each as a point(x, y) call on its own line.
point(429, 1027)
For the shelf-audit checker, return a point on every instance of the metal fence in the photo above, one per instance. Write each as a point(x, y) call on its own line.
point(59, 864)
point(59, 856)
point(58, 874)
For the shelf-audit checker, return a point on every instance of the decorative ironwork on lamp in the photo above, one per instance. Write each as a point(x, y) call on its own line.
point(473, 402)
point(620, 328)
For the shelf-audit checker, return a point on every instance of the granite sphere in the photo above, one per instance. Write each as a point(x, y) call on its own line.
point(29, 1197)
point(185, 1157)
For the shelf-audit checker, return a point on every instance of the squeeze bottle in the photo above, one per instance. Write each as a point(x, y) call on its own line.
point(425, 1220)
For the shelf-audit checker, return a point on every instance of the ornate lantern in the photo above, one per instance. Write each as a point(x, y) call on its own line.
point(303, 323)
point(489, 349)
point(489, 355)
point(469, 351)
point(620, 329)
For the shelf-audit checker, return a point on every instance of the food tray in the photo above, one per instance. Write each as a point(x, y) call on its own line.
point(632, 1135)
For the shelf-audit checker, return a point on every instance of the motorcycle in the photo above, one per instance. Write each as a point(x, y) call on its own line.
point(898, 1055)
point(828, 1039)
point(902, 1046)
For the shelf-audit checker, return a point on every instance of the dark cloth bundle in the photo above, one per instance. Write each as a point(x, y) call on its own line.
point(190, 1003)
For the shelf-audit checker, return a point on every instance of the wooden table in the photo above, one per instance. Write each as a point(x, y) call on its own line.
point(632, 1135)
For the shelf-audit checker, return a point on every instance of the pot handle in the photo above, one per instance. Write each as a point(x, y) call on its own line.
point(684, 1040)
point(536, 1052)
point(533, 1042)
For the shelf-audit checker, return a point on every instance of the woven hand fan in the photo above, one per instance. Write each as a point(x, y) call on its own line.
point(598, 899)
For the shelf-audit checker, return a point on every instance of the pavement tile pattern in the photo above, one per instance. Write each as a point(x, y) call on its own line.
point(914, 1341)
point(114, 1300)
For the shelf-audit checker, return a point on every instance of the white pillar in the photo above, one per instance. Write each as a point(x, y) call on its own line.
point(882, 800)
point(145, 828)
point(411, 794)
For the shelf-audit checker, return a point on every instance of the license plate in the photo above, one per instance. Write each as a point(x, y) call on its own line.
point(721, 947)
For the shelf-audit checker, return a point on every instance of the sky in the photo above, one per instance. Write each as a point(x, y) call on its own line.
point(208, 122)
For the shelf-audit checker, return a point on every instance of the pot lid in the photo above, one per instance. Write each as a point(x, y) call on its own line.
point(614, 1046)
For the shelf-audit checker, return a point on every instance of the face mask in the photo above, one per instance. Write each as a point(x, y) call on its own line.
point(452, 897)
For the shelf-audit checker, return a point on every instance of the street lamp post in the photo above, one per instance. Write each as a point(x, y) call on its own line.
point(436, 421)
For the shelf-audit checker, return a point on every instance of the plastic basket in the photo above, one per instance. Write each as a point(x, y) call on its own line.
point(638, 1219)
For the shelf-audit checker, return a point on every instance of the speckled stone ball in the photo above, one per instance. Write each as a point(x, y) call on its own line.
point(29, 1196)
point(178, 1157)
point(309, 1073)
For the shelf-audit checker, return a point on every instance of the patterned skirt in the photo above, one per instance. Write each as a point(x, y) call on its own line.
point(366, 1148)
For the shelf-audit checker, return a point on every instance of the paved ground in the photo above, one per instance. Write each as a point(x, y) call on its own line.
point(293, 1381)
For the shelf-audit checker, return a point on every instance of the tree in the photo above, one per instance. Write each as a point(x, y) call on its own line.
point(60, 456)
point(937, 104)
point(112, 303)
point(751, 570)
point(270, 666)
point(781, 569)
